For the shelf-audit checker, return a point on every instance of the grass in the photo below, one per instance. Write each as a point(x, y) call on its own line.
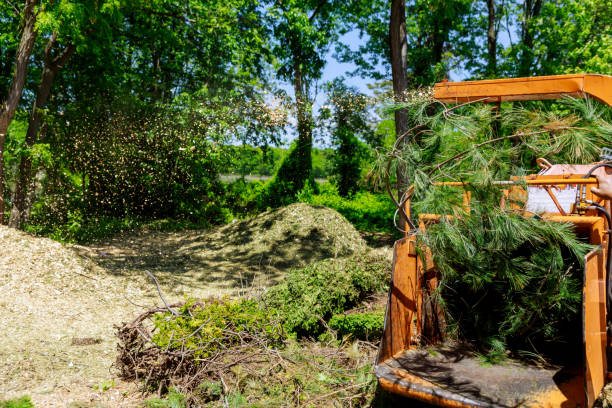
point(23, 402)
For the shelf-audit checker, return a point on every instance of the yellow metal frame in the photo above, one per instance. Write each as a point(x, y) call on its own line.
point(403, 322)
point(405, 296)
point(522, 89)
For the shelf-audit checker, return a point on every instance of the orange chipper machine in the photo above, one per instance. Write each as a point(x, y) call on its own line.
point(560, 193)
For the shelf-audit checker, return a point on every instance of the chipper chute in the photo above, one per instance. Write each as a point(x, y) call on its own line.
point(444, 373)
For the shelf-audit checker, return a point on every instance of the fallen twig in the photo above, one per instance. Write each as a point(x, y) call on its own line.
point(174, 312)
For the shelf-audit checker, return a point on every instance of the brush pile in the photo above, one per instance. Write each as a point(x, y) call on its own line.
point(214, 349)
point(506, 281)
point(189, 344)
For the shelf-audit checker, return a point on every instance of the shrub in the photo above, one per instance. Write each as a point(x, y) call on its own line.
point(366, 211)
point(294, 172)
point(245, 198)
point(366, 325)
point(310, 296)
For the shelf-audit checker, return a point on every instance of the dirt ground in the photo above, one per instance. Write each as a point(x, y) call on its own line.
point(59, 303)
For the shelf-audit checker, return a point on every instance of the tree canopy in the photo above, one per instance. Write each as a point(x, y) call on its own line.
point(86, 84)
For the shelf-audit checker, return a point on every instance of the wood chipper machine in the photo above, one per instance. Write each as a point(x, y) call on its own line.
point(559, 193)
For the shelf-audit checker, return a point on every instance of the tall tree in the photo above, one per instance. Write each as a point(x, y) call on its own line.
point(304, 31)
point(347, 111)
point(142, 51)
point(51, 65)
point(68, 23)
point(572, 36)
point(10, 102)
point(398, 46)
point(492, 30)
point(531, 11)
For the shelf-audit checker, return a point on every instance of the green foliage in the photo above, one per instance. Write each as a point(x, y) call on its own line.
point(507, 279)
point(212, 325)
point(366, 325)
point(265, 160)
point(174, 399)
point(323, 289)
point(246, 159)
point(245, 198)
point(349, 123)
point(321, 163)
point(445, 38)
point(434, 33)
point(291, 177)
point(227, 348)
point(569, 36)
point(366, 211)
point(474, 144)
point(23, 402)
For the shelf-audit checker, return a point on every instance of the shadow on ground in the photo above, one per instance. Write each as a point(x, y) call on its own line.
point(236, 257)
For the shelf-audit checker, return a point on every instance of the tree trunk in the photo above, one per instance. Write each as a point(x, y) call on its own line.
point(304, 127)
point(50, 69)
point(7, 110)
point(399, 50)
point(491, 40)
point(531, 10)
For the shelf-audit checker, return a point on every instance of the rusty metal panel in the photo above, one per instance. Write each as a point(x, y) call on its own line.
point(401, 307)
point(594, 323)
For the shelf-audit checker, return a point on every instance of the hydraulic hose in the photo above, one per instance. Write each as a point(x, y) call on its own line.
point(590, 172)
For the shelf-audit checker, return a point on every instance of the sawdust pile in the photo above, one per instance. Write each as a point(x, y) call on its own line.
point(57, 312)
point(236, 258)
point(59, 303)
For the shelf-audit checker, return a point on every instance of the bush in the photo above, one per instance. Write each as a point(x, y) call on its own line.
point(245, 198)
point(366, 211)
point(310, 296)
point(292, 175)
point(363, 326)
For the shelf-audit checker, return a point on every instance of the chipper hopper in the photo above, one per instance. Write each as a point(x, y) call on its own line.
point(445, 375)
